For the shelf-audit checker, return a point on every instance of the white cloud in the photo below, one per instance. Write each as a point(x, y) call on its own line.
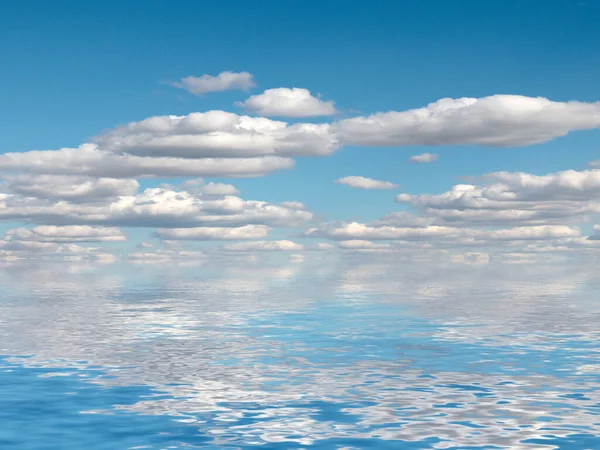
point(70, 188)
point(214, 233)
point(515, 197)
point(81, 194)
point(495, 121)
point(88, 160)
point(161, 256)
point(225, 81)
point(12, 249)
point(365, 183)
point(199, 187)
point(217, 134)
point(565, 185)
point(293, 205)
point(54, 234)
point(424, 158)
point(357, 244)
point(255, 246)
point(530, 233)
point(219, 189)
point(163, 208)
point(361, 232)
point(286, 102)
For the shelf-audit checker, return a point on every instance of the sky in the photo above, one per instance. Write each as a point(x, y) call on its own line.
point(192, 131)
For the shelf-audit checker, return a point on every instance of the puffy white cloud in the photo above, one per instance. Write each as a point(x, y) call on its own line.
point(514, 197)
point(156, 207)
point(529, 233)
point(359, 231)
point(565, 185)
point(365, 183)
point(70, 188)
point(88, 160)
point(218, 134)
point(198, 186)
point(15, 249)
point(219, 189)
point(293, 205)
point(424, 158)
point(225, 81)
point(286, 102)
point(257, 246)
point(355, 231)
point(214, 233)
point(55, 234)
point(495, 121)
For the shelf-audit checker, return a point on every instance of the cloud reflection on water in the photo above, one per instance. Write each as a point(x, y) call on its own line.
point(255, 353)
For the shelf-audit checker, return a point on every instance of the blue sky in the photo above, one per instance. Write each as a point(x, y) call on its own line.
point(71, 70)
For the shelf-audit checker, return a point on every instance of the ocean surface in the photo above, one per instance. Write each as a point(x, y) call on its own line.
point(302, 355)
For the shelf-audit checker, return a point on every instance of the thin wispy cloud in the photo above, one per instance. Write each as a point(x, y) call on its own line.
point(359, 182)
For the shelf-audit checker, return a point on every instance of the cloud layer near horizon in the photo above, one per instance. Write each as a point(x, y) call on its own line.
point(71, 197)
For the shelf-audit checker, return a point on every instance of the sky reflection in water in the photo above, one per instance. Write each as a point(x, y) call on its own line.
point(345, 356)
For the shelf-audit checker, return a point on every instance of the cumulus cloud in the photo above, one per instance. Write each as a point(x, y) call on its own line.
point(218, 134)
point(365, 183)
point(54, 234)
point(70, 188)
point(211, 189)
point(214, 233)
point(360, 231)
point(88, 160)
point(293, 205)
point(163, 208)
point(495, 121)
point(515, 197)
point(81, 194)
point(357, 231)
point(219, 189)
point(12, 249)
point(225, 81)
point(424, 158)
point(256, 246)
point(286, 102)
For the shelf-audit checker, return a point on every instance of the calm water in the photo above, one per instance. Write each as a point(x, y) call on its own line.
point(341, 356)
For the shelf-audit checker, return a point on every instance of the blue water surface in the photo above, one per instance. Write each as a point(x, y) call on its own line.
point(356, 358)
